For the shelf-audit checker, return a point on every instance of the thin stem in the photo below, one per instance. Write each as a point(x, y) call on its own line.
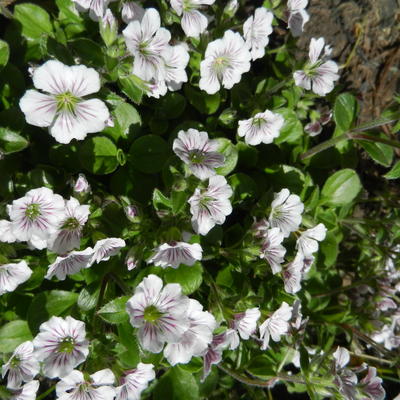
point(121, 284)
point(368, 357)
point(339, 290)
point(46, 393)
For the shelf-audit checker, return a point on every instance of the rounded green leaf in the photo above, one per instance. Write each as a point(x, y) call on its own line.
point(394, 173)
point(341, 188)
point(13, 334)
point(11, 142)
point(190, 278)
point(231, 154)
point(292, 128)
point(4, 53)
point(344, 111)
point(114, 312)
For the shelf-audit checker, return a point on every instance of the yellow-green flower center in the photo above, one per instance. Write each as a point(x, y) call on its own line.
point(32, 211)
point(71, 224)
point(196, 156)
point(15, 361)
point(67, 345)
point(67, 102)
point(152, 314)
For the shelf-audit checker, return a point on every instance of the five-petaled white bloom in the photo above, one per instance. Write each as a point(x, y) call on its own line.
point(26, 392)
point(246, 322)
point(193, 21)
point(12, 275)
point(21, 367)
point(159, 313)
point(131, 11)
point(225, 61)
point(210, 207)
point(70, 264)
point(146, 40)
point(196, 338)
point(36, 216)
point(307, 243)
point(68, 235)
point(105, 248)
point(135, 382)
point(174, 254)
point(262, 128)
point(96, 8)
point(256, 31)
point(275, 326)
point(200, 153)
point(75, 386)
point(286, 210)
point(272, 249)
point(61, 344)
point(318, 74)
point(298, 16)
point(64, 110)
point(293, 274)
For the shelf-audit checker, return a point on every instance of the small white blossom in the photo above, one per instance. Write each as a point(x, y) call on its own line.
point(246, 322)
point(146, 40)
point(372, 385)
point(286, 210)
point(21, 367)
point(298, 16)
point(96, 8)
point(68, 235)
point(174, 254)
point(232, 339)
point(272, 249)
point(61, 344)
point(6, 233)
point(26, 392)
point(12, 275)
point(213, 355)
point(131, 11)
point(196, 338)
point(159, 312)
point(64, 110)
point(176, 58)
point(262, 128)
point(342, 357)
point(256, 30)
point(275, 326)
point(70, 264)
point(75, 386)
point(293, 273)
point(105, 248)
point(135, 382)
point(81, 185)
point(200, 153)
point(318, 74)
point(225, 61)
point(210, 207)
point(307, 243)
point(231, 7)
point(313, 128)
point(193, 21)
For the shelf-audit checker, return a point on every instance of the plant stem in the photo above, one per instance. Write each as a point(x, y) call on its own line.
point(339, 290)
point(46, 393)
point(372, 358)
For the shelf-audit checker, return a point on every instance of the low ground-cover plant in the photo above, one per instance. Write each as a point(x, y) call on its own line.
point(185, 212)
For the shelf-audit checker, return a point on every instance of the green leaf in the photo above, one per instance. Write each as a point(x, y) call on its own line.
point(292, 128)
point(35, 20)
point(379, 152)
point(344, 111)
point(4, 53)
point(171, 106)
point(149, 154)
point(177, 384)
point(231, 154)
point(89, 51)
point(98, 155)
point(13, 334)
point(262, 366)
point(243, 187)
point(178, 201)
point(159, 200)
point(47, 304)
point(11, 142)
point(128, 339)
point(341, 188)
point(114, 311)
point(88, 296)
point(133, 87)
point(394, 173)
point(190, 278)
point(125, 116)
point(203, 102)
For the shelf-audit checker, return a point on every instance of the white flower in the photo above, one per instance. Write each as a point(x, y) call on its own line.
point(131, 11)
point(159, 313)
point(307, 243)
point(318, 75)
point(256, 30)
point(209, 207)
point(342, 357)
point(6, 233)
point(21, 367)
point(26, 392)
point(64, 110)
point(372, 385)
point(232, 339)
point(12, 275)
point(225, 61)
point(135, 382)
point(75, 386)
point(105, 248)
point(231, 7)
point(146, 40)
point(68, 235)
point(96, 8)
point(174, 254)
point(298, 16)
point(275, 326)
point(213, 355)
point(262, 128)
point(61, 344)
point(293, 273)
point(272, 249)
point(35, 217)
point(81, 185)
point(200, 153)
point(196, 338)
point(176, 59)
point(70, 264)
point(286, 210)
point(193, 21)
point(246, 322)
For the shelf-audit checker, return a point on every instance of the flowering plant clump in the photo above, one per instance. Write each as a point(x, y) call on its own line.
point(185, 207)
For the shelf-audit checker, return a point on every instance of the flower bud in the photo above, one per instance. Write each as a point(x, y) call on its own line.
point(108, 28)
point(131, 12)
point(81, 185)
